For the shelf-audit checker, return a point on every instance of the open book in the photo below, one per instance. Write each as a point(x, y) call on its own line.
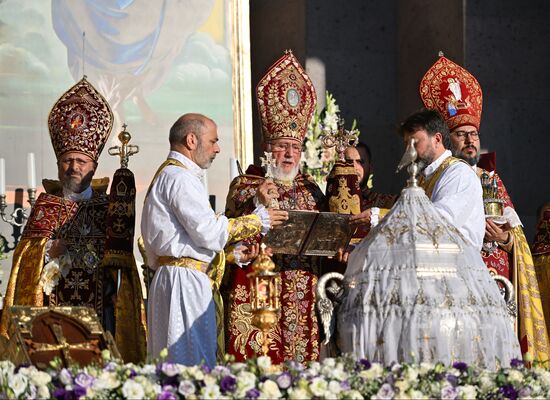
point(310, 233)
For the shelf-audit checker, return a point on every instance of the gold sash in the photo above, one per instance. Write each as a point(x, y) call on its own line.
point(428, 184)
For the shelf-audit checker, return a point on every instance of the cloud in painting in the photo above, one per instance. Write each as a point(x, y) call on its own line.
point(203, 65)
point(16, 61)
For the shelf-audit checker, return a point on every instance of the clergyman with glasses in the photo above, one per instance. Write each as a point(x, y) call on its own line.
point(60, 260)
point(457, 95)
point(286, 102)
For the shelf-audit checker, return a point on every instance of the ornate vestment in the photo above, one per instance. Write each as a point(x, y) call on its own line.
point(541, 259)
point(82, 225)
point(296, 337)
point(514, 261)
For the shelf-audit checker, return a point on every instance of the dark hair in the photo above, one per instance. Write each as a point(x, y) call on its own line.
point(364, 146)
point(429, 120)
point(186, 124)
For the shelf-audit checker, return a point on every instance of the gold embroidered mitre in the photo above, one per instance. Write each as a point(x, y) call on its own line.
point(286, 100)
point(454, 92)
point(81, 120)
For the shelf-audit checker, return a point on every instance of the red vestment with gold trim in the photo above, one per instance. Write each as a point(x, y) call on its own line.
point(297, 335)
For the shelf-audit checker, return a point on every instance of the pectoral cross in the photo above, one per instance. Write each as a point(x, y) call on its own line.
point(269, 163)
point(341, 139)
point(125, 150)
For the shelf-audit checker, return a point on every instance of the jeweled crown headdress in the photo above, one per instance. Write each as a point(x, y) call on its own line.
point(286, 100)
point(81, 120)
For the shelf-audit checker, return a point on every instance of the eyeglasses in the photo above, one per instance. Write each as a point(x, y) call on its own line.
point(474, 135)
point(293, 147)
point(78, 161)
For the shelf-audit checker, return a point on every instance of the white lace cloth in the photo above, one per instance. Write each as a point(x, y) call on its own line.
point(416, 290)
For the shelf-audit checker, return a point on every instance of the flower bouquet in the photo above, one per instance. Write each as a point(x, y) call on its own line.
point(345, 377)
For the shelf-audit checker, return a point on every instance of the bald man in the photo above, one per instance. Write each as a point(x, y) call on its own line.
point(185, 240)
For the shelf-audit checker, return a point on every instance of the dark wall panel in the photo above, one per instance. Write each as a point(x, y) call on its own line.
point(507, 50)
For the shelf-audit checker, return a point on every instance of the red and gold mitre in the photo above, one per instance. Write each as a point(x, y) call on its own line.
point(81, 120)
point(286, 100)
point(454, 92)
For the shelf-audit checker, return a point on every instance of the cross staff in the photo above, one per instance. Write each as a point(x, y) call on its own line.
point(341, 138)
point(125, 150)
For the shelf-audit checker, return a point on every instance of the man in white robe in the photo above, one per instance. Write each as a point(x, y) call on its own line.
point(452, 186)
point(184, 241)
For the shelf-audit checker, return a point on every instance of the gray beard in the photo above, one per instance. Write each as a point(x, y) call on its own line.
point(75, 187)
point(279, 175)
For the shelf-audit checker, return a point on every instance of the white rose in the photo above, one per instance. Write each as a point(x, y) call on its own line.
point(264, 363)
point(403, 385)
point(196, 372)
point(329, 362)
point(515, 376)
point(106, 381)
point(18, 383)
point(411, 375)
point(425, 367)
point(299, 394)
point(209, 380)
point(148, 369)
point(339, 374)
point(270, 389)
point(334, 387)
point(238, 366)
point(43, 392)
point(6, 367)
point(318, 387)
point(149, 386)
point(210, 392)
point(375, 371)
point(486, 382)
point(132, 390)
point(39, 378)
point(246, 380)
point(467, 392)
point(545, 378)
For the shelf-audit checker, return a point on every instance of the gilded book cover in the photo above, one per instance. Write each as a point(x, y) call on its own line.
point(310, 233)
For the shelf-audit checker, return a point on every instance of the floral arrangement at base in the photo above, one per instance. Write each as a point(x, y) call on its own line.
point(334, 378)
point(318, 160)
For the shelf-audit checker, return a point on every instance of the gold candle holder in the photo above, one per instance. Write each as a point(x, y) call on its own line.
point(264, 295)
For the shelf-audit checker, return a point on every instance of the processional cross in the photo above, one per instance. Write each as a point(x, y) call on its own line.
point(340, 139)
point(125, 150)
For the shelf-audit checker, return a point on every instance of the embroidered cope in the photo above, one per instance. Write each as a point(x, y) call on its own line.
point(296, 337)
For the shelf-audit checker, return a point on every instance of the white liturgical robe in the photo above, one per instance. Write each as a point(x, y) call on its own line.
point(458, 196)
point(177, 222)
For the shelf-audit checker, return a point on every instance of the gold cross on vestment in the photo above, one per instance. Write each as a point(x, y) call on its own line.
point(62, 345)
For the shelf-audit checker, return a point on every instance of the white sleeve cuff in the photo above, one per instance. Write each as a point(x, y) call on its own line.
point(261, 212)
point(374, 216)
